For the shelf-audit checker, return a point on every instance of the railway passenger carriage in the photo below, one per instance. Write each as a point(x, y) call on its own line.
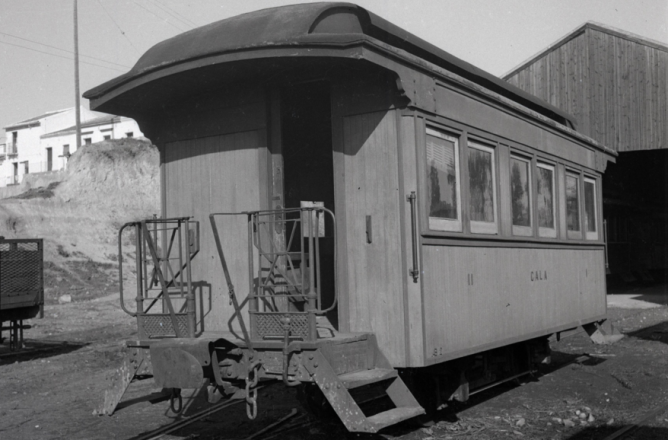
point(388, 192)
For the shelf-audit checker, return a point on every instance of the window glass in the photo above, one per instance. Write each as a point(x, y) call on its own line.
point(482, 191)
point(520, 192)
point(443, 181)
point(572, 203)
point(590, 209)
point(545, 200)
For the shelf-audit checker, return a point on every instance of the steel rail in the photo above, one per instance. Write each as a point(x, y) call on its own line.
point(636, 425)
point(161, 432)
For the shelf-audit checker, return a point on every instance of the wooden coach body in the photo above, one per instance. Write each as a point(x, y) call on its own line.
point(502, 241)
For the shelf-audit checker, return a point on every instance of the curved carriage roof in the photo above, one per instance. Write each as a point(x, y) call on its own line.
point(306, 25)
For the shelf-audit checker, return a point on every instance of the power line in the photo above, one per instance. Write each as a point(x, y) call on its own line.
point(161, 19)
point(176, 15)
point(60, 56)
point(64, 50)
point(119, 28)
point(185, 20)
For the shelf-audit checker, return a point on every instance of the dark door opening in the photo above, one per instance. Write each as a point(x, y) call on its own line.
point(306, 125)
point(49, 159)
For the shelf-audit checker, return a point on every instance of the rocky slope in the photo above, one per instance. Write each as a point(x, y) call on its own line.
point(78, 213)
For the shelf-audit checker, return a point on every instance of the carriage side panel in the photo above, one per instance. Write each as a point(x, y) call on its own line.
point(478, 298)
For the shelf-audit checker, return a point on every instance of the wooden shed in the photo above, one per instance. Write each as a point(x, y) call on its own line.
point(616, 85)
point(468, 212)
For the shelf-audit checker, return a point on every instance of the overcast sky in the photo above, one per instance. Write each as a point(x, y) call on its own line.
point(36, 36)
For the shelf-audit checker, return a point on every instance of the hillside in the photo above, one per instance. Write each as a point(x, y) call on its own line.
point(78, 213)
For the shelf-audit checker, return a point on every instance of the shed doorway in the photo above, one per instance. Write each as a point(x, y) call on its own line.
point(306, 144)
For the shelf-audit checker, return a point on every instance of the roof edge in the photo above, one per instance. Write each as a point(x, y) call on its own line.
point(576, 33)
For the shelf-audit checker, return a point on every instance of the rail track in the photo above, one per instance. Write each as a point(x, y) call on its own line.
point(637, 426)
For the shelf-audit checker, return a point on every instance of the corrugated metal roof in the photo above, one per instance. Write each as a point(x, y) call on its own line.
point(300, 25)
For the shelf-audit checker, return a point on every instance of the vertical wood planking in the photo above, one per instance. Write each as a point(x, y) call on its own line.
point(216, 174)
point(375, 283)
point(479, 296)
point(615, 85)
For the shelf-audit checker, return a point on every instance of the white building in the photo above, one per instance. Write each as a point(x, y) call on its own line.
point(44, 143)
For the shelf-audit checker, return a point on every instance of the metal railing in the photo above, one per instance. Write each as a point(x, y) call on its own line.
point(284, 272)
point(164, 250)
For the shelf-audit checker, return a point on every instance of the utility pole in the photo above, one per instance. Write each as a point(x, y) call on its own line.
point(76, 75)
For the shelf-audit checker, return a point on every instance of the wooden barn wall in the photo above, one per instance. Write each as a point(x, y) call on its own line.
point(477, 298)
point(616, 87)
point(218, 172)
point(562, 79)
point(629, 100)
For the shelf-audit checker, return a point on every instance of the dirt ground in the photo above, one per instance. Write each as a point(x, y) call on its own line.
point(51, 390)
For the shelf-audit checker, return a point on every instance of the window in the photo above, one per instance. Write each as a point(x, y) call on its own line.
point(482, 189)
point(573, 205)
point(591, 218)
point(129, 134)
point(66, 150)
point(107, 137)
point(520, 192)
point(545, 201)
point(87, 141)
point(443, 186)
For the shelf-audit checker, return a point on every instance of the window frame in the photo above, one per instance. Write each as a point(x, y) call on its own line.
point(476, 226)
point(543, 231)
point(590, 235)
point(518, 230)
point(438, 223)
point(574, 234)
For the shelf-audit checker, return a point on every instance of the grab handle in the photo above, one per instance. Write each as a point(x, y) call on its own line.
point(414, 272)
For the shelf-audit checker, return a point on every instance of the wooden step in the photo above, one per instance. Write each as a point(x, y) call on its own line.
point(366, 377)
point(393, 416)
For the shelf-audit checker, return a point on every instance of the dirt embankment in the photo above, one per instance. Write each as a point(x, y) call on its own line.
point(105, 185)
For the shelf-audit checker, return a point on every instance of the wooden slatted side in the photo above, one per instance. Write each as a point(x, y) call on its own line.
point(374, 285)
point(615, 85)
point(481, 297)
point(561, 78)
point(631, 100)
point(216, 174)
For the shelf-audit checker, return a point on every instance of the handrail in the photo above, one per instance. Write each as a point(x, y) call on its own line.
point(120, 267)
point(314, 249)
point(415, 271)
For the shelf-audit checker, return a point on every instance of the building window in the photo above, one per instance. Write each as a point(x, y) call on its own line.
point(591, 217)
point(129, 134)
point(520, 191)
point(87, 141)
point(66, 150)
point(443, 185)
point(545, 201)
point(107, 137)
point(482, 189)
point(573, 205)
point(26, 167)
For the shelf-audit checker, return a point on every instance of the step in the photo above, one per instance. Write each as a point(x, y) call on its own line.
point(366, 377)
point(393, 416)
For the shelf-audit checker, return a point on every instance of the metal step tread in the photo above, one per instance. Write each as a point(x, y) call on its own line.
point(393, 416)
point(366, 377)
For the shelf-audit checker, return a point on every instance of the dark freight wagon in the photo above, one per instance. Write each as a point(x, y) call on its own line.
point(21, 286)
point(341, 199)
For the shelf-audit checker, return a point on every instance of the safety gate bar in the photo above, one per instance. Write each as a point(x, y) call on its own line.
point(283, 272)
point(164, 251)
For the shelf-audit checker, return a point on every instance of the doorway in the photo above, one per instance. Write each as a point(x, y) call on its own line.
point(306, 127)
